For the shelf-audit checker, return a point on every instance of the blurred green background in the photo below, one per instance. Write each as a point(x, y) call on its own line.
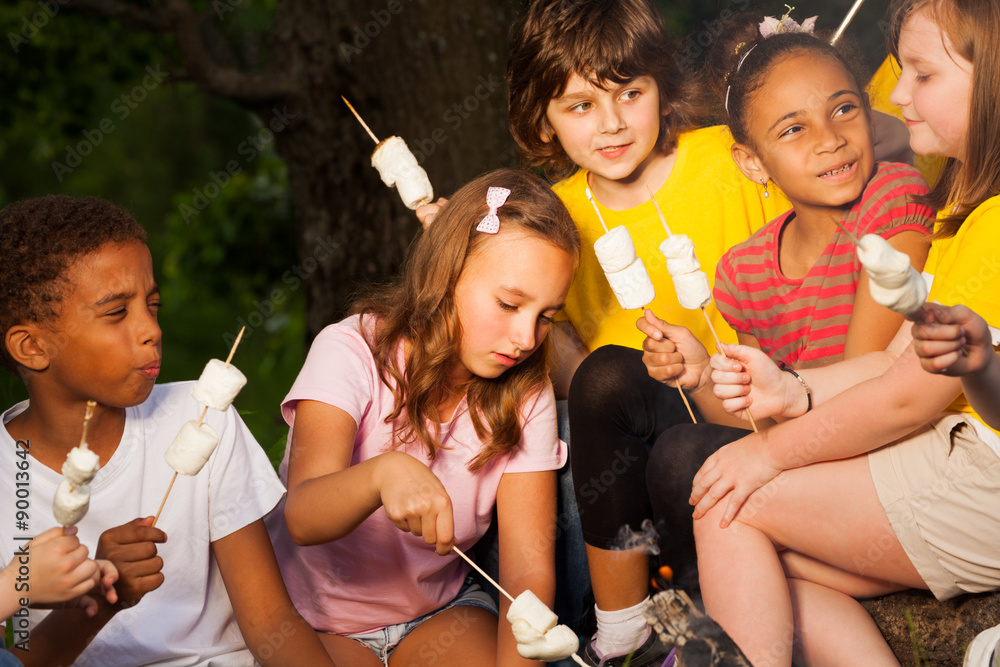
point(220, 253)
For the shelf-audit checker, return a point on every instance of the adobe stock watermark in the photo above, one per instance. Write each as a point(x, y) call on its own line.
point(695, 46)
point(249, 149)
point(456, 115)
point(30, 26)
point(120, 108)
point(364, 34)
point(291, 281)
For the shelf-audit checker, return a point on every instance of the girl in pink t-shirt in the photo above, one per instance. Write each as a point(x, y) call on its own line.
point(413, 419)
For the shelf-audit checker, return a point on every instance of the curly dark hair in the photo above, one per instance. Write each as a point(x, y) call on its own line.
point(603, 41)
point(39, 239)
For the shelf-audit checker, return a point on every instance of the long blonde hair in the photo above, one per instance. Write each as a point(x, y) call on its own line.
point(419, 308)
point(972, 27)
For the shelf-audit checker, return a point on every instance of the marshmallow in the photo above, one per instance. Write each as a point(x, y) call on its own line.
point(398, 167)
point(693, 290)
point(190, 450)
point(528, 608)
point(894, 283)
point(615, 250)
point(80, 467)
point(557, 644)
point(679, 251)
point(218, 385)
point(632, 286)
point(70, 504)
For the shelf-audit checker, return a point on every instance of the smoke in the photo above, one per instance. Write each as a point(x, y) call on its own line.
point(646, 538)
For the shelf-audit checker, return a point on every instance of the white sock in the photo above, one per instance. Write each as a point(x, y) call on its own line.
point(620, 631)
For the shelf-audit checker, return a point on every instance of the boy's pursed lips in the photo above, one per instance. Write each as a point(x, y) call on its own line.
point(152, 370)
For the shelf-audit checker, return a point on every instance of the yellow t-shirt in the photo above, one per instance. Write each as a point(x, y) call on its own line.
point(966, 270)
point(705, 197)
point(879, 89)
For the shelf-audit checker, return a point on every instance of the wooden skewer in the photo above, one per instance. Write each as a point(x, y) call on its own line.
point(850, 235)
point(718, 345)
point(666, 227)
point(507, 595)
point(847, 21)
point(480, 571)
point(590, 197)
point(358, 116)
point(164, 501)
point(204, 412)
point(659, 212)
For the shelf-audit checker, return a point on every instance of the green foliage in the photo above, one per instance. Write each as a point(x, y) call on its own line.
point(82, 85)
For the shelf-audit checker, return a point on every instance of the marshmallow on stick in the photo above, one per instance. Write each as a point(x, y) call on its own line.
point(893, 282)
point(398, 167)
point(623, 268)
point(690, 282)
point(72, 498)
point(195, 442)
point(527, 615)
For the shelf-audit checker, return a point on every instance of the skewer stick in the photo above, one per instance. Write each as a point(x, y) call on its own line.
point(87, 416)
point(480, 571)
point(850, 235)
point(507, 595)
point(358, 116)
point(204, 412)
point(164, 501)
point(666, 227)
point(847, 20)
point(718, 345)
point(593, 203)
point(658, 211)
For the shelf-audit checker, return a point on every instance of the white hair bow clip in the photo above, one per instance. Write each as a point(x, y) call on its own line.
point(495, 198)
point(773, 26)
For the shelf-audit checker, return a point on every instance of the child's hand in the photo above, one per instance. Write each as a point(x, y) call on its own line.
point(672, 354)
point(132, 550)
point(952, 340)
point(427, 212)
point(745, 376)
point(415, 500)
point(59, 569)
point(738, 469)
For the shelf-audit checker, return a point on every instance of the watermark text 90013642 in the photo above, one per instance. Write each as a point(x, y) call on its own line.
point(21, 559)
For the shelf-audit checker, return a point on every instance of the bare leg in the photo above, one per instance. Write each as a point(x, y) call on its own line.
point(620, 579)
point(458, 637)
point(346, 651)
point(833, 629)
point(827, 511)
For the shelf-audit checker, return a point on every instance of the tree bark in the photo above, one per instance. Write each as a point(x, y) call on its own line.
point(429, 72)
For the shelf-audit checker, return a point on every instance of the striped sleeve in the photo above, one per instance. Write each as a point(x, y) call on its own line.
point(890, 203)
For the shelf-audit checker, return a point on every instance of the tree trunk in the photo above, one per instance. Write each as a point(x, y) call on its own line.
point(429, 72)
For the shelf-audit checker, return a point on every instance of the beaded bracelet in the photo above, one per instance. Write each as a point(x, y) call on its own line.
point(809, 394)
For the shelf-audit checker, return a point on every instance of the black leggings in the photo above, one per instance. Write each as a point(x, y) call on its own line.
point(628, 463)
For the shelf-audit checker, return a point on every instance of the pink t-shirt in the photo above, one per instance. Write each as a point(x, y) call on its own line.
point(379, 575)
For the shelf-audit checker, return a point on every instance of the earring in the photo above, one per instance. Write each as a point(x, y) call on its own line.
point(764, 183)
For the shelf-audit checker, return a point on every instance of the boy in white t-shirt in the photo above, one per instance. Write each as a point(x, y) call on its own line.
point(78, 306)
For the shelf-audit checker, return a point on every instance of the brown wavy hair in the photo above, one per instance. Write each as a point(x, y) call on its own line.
point(604, 41)
point(419, 308)
point(972, 27)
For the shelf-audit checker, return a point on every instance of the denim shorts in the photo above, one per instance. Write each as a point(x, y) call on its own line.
point(384, 641)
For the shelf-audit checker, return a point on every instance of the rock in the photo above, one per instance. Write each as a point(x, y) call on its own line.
point(920, 630)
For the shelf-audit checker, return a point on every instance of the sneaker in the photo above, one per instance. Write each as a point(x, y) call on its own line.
point(650, 653)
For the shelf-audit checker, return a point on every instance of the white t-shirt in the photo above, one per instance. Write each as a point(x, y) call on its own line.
point(189, 619)
point(378, 575)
